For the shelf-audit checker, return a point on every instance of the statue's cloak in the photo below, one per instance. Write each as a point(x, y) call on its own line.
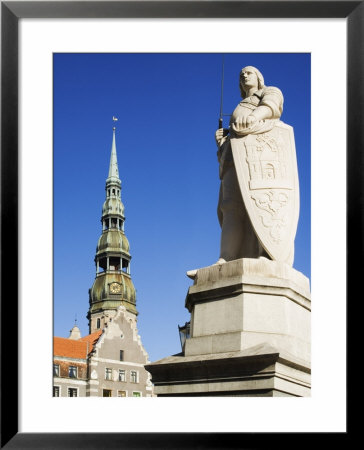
point(266, 168)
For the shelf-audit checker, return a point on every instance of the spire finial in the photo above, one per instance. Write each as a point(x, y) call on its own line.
point(115, 119)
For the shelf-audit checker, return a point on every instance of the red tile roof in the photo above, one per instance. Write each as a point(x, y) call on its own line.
point(71, 348)
point(91, 339)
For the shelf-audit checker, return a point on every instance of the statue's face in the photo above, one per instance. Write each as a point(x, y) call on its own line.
point(248, 78)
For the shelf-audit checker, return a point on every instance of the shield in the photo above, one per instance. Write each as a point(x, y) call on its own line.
point(266, 168)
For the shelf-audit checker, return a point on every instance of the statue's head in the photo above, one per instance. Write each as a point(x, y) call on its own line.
point(247, 70)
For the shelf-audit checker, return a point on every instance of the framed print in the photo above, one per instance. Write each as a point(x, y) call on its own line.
point(31, 32)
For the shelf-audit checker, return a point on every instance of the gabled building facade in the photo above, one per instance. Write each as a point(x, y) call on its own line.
point(109, 362)
point(116, 363)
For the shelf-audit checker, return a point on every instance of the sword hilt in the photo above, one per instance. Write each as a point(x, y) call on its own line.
point(226, 130)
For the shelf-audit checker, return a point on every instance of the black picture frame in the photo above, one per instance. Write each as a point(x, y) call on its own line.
point(11, 12)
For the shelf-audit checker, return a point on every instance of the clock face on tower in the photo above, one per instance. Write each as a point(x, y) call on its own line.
point(115, 288)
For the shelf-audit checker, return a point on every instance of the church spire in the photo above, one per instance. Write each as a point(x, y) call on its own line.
point(113, 286)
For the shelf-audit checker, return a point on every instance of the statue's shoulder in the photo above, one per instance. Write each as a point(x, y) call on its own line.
point(272, 97)
point(271, 90)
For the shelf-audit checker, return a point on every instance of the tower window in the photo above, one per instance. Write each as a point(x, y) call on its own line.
point(98, 323)
point(121, 355)
point(114, 263)
point(113, 192)
point(102, 264)
point(125, 265)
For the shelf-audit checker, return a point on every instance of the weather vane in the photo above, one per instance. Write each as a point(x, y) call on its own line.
point(115, 119)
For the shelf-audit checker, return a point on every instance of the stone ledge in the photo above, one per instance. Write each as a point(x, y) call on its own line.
point(251, 372)
point(261, 267)
point(250, 276)
point(262, 350)
point(228, 290)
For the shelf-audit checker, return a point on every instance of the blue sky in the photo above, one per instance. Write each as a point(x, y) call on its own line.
point(168, 108)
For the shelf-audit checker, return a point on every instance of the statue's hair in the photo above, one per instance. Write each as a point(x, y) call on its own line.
point(259, 76)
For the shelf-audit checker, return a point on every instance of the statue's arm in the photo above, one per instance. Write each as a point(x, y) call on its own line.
point(260, 113)
point(270, 106)
point(272, 102)
point(219, 137)
point(220, 141)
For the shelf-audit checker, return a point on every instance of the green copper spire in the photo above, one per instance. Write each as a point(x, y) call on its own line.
point(113, 285)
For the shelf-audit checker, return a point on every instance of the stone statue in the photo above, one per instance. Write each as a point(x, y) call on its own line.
point(259, 194)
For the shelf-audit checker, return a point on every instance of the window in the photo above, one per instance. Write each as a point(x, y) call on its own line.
point(108, 374)
point(106, 393)
point(98, 324)
point(55, 391)
point(72, 392)
point(121, 393)
point(136, 394)
point(56, 370)
point(72, 371)
point(121, 355)
point(134, 376)
point(121, 375)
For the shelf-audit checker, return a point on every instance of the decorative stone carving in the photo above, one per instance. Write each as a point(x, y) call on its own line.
point(259, 194)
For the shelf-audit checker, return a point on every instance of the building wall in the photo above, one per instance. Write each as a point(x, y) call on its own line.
point(64, 382)
point(65, 363)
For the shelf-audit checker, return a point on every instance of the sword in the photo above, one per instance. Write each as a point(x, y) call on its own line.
point(226, 130)
point(222, 92)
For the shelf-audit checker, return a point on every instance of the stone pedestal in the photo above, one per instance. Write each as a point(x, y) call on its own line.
point(250, 333)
